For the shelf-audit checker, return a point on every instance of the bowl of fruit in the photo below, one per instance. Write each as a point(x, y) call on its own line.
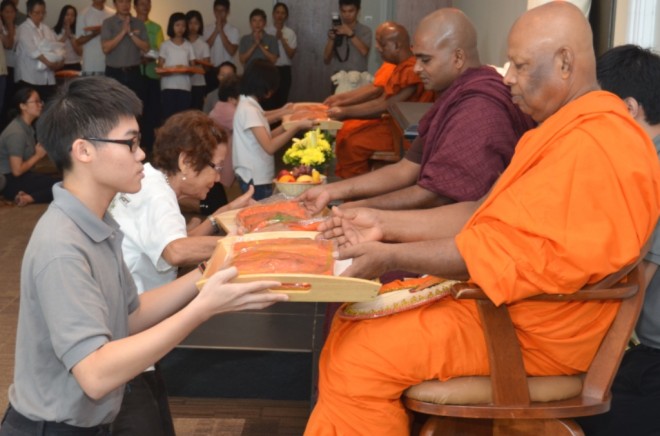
point(295, 182)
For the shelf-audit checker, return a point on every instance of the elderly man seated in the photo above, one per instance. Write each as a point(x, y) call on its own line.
point(578, 201)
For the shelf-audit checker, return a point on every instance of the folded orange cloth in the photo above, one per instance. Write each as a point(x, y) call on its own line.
point(283, 256)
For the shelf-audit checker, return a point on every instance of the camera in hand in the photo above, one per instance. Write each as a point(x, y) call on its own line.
point(336, 22)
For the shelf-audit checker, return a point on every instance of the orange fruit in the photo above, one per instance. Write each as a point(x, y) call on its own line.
point(288, 178)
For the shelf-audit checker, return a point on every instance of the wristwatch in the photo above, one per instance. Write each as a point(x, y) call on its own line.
point(214, 224)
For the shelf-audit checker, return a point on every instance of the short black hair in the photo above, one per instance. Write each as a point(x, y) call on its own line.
point(86, 107)
point(32, 3)
point(177, 16)
point(632, 71)
point(224, 3)
point(196, 14)
point(259, 79)
point(21, 96)
point(355, 3)
point(258, 13)
point(283, 5)
point(228, 64)
point(228, 89)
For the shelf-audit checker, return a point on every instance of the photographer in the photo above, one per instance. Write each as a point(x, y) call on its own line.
point(348, 41)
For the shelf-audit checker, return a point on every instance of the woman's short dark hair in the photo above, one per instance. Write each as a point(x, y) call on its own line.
point(355, 3)
point(60, 21)
point(21, 96)
point(32, 3)
point(87, 107)
point(258, 13)
point(224, 3)
point(259, 79)
point(177, 16)
point(190, 132)
point(282, 5)
point(196, 14)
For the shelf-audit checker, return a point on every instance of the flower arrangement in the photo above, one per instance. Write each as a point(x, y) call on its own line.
point(313, 150)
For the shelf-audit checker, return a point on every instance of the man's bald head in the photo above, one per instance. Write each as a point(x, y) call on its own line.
point(393, 42)
point(552, 59)
point(445, 45)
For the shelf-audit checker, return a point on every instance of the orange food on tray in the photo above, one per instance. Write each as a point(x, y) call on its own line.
point(66, 74)
point(283, 256)
point(320, 107)
point(308, 114)
point(258, 217)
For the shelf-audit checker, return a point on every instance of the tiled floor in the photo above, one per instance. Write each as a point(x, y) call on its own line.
point(227, 417)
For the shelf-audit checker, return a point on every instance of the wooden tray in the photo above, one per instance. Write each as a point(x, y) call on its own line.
point(299, 287)
point(164, 71)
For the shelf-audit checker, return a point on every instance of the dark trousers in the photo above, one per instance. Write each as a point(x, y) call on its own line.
point(198, 94)
point(39, 186)
point(211, 77)
point(174, 101)
point(260, 191)
point(144, 409)
point(129, 77)
point(152, 115)
point(635, 398)
point(15, 424)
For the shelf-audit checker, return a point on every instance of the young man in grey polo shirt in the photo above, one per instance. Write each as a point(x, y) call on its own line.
point(83, 332)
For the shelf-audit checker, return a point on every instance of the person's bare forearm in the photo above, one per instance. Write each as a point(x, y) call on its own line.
point(411, 197)
point(190, 250)
point(438, 257)
point(420, 225)
point(387, 179)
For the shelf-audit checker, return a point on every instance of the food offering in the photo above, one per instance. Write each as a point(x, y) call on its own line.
point(277, 215)
point(311, 111)
point(303, 264)
point(308, 156)
point(67, 74)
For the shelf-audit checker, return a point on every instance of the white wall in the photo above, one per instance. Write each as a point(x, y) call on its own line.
point(493, 21)
point(648, 16)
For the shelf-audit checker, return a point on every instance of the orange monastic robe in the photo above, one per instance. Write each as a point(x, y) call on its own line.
point(577, 202)
point(359, 139)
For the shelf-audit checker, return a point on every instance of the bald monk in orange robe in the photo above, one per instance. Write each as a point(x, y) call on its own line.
point(578, 201)
point(365, 130)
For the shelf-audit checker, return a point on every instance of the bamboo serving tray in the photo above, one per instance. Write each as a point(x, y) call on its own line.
point(299, 287)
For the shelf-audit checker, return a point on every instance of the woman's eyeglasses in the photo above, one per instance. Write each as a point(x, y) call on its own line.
point(216, 168)
point(133, 143)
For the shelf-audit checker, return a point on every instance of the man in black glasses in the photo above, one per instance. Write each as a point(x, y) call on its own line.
point(83, 331)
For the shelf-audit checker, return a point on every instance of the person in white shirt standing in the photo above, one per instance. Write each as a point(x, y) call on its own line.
point(177, 51)
point(36, 60)
point(195, 24)
point(88, 30)
point(287, 42)
point(223, 39)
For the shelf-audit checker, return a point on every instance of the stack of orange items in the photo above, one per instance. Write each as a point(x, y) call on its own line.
point(283, 256)
point(285, 215)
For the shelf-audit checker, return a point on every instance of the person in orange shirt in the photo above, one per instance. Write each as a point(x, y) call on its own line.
point(578, 202)
point(365, 130)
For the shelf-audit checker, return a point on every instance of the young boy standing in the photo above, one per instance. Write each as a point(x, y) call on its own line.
point(83, 332)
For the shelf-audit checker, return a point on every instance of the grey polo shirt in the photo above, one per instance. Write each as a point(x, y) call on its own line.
point(18, 139)
point(268, 41)
point(648, 326)
point(126, 53)
point(76, 295)
point(354, 61)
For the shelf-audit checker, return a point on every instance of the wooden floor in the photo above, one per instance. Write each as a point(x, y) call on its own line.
point(226, 417)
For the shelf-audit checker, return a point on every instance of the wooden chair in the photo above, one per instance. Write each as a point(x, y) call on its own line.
point(508, 402)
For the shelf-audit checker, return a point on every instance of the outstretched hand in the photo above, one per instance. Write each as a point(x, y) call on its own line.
point(220, 296)
point(351, 227)
point(370, 259)
point(315, 199)
point(244, 200)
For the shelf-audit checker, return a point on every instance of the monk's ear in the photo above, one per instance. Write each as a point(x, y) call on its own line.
point(566, 58)
point(459, 58)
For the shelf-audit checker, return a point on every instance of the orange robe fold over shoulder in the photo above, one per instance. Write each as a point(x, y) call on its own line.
point(578, 201)
point(359, 139)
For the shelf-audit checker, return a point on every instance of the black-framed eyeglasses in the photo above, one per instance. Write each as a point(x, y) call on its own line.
point(133, 143)
point(216, 168)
